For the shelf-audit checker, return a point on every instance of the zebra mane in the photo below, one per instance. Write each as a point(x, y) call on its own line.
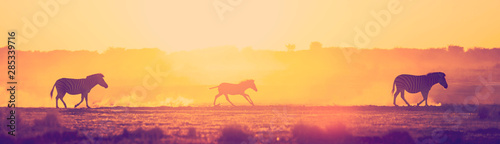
point(439, 74)
point(247, 81)
point(97, 75)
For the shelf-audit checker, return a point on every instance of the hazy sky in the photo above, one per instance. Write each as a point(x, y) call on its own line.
point(261, 24)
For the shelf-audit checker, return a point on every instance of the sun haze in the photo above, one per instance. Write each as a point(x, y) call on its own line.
point(168, 53)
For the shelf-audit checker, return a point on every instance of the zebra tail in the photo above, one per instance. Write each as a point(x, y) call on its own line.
point(52, 91)
point(213, 87)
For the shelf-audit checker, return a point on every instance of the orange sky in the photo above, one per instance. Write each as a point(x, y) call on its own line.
point(193, 24)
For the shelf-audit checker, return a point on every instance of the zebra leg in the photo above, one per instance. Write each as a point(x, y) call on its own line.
point(227, 98)
point(395, 96)
point(60, 95)
point(403, 96)
point(245, 96)
point(217, 96)
point(250, 100)
point(63, 102)
point(79, 102)
point(424, 95)
point(86, 100)
point(57, 106)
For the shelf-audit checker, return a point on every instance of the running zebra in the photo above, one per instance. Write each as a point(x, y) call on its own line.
point(415, 84)
point(235, 89)
point(77, 86)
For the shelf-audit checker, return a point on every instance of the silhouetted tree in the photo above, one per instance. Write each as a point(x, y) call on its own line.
point(455, 49)
point(290, 47)
point(315, 45)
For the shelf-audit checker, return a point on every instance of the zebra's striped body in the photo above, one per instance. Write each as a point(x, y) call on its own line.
point(77, 86)
point(235, 89)
point(415, 84)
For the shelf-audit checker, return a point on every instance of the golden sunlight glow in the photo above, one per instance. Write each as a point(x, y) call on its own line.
point(168, 53)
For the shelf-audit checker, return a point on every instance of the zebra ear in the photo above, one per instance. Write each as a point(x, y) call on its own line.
point(440, 74)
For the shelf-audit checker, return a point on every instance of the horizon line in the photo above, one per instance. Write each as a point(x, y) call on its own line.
point(241, 48)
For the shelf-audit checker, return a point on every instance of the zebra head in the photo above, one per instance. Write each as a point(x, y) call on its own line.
point(440, 76)
point(251, 84)
point(99, 79)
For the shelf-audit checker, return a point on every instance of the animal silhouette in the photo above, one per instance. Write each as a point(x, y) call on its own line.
point(77, 86)
point(235, 89)
point(415, 84)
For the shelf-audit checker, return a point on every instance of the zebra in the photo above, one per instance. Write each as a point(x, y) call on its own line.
point(415, 84)
point(235, 89)
point(77, 86)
